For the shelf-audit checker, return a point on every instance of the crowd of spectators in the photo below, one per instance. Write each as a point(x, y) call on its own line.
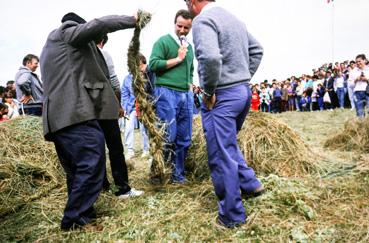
point(328, 87)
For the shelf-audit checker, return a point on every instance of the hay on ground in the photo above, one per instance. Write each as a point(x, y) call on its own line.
point(353, 137)
point(29, 166)
point(269, 146)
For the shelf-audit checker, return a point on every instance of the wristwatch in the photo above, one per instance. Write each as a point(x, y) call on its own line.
point(207, 95)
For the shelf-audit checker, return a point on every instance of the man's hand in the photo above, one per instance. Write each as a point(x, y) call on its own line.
point(182, 52)
point(136, 16)
point(209, 101)
point(26, 99)
point(121, 112)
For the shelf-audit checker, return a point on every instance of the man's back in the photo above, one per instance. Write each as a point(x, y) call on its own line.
point(223, 41)
point(76, 78)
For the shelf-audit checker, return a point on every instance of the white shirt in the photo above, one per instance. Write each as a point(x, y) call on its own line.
point(339, 82)
point(351, 80)
point(360, 85)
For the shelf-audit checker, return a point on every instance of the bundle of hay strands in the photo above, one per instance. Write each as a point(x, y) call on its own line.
point(159, 171)
point(353, 137)
point(269, 146)
point(29, 166)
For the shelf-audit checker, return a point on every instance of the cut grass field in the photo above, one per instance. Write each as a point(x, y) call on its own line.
point(332, 206)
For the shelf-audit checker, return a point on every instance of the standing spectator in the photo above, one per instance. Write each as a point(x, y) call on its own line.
point(112, 135)
point(328, 85)
point(128, 102)
point(277, 94)
point(299, 92)
point(222, 43)
point(255, 99)
point(360, 76)
point(320, 94)
point(291, 97)
point(339, 87)
point(305, 102)
point(77, 95)
point(114, 81)
point(29, 87)
point(264, 100)
point(284, 97)
point(351, 84)
point(172, 62)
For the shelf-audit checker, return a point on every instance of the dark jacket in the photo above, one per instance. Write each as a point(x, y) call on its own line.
point(75, 75)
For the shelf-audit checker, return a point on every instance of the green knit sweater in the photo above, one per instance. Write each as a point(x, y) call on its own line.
point(178, 77)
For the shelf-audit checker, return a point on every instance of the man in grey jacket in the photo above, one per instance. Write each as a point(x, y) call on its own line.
point(28, 86)
point(228, 56)
point(77, 94)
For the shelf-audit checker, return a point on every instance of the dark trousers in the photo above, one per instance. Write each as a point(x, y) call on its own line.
point(229, 170)
point(81, 151)
point(116, 155)
point(276, 105)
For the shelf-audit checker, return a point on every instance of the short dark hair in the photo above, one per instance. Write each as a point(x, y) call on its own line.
point(29, 58)
point(142, 58)
point(184, 14)
point(2, 90)
point(361, 56)
point(3, 107)
point(10, 82)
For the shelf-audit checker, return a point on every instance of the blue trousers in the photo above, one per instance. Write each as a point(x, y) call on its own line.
point(81, 151)
point(229, 170)
point(175, 109)
point(361, 100)
point(341, 97)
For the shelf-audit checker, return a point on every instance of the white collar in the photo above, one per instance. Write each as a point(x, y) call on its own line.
point(175, 37)
point(208, 6)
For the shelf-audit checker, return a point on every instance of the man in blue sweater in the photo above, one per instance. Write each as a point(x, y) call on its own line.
point(228, 56)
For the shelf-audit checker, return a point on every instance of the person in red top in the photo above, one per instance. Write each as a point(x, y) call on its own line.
point(3, 112)
point(255, 100)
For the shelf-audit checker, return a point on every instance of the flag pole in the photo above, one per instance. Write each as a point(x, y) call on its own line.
point(332, 3)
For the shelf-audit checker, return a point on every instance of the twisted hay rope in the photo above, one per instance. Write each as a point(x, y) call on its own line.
point(148, 116)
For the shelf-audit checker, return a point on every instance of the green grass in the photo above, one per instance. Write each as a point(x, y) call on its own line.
point(331, 208)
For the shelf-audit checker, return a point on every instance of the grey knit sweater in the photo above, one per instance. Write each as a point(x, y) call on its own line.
point(227, 53)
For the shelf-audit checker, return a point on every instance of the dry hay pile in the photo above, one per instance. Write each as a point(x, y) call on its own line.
point(269, 146)
point(28, 165)
point(353, 137)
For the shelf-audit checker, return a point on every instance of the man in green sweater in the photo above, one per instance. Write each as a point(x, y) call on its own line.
point(172, 61)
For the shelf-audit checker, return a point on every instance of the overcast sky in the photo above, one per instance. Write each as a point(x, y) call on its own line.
point(297, 35)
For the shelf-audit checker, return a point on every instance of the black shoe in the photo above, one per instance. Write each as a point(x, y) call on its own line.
point(230, 225)
point(257, 192)
point(73, 225)
point(90, 213)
